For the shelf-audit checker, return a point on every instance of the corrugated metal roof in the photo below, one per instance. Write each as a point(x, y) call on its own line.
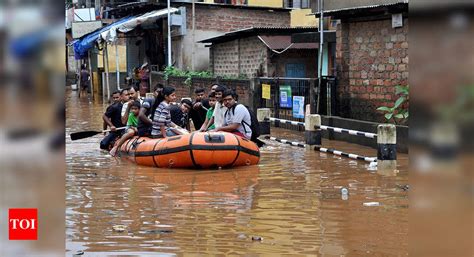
point(256, 31)
point(284, 42)
point(353, 4)
point(355, 9)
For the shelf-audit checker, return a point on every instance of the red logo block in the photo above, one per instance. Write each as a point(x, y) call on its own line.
point(23, 224)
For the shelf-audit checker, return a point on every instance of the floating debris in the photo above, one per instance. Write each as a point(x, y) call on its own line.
point(404, 187)
point(78, 253)
point(242, 236)
point(371, 204)
point(344, 191)
point(257, 238)
point(158, 231)
point(119, 228)
point(373, 165)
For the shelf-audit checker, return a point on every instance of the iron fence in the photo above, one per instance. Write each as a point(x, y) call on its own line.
point(306, 87)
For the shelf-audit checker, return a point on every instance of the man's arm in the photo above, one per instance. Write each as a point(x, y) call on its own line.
point(142, 116)
point(163, 131)
point(229, 128)
point(211, 121)
point(188, 124)
point(108, 122)
point(204, 125)
point(236, 121)
point(127, 112)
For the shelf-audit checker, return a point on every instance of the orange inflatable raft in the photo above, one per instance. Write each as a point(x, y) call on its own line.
point(196, 150)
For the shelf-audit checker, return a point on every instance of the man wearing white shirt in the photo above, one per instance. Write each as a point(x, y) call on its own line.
point(219, 110)
point(132, 96)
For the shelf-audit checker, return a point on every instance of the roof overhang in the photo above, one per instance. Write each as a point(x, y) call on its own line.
point(257, 31)
point(285, 43)
point(313, 37)
point(366, 11)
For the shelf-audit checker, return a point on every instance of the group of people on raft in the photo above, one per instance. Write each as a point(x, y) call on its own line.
point(161, 117)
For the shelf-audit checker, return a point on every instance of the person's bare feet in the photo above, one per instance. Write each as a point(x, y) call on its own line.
point(113, 151)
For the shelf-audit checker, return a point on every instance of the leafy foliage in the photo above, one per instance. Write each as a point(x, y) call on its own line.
point(459, 110)
point(174, 72)
point(398, 113)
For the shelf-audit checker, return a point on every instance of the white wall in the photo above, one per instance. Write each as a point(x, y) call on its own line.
point(201, 62)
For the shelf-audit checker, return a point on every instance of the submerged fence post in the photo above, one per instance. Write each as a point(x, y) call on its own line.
point(312, 133)
point(263, 116)
point(386, 146)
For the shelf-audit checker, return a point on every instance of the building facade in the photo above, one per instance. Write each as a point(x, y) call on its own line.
point(212, 20)
point(371, 57)
point(263, 52)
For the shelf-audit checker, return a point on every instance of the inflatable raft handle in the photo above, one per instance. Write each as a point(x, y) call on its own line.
point(219, 138)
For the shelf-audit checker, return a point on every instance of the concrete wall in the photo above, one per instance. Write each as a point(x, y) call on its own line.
point(301, 17)
point(267, 3)
point(183, 56)
point(372, 58)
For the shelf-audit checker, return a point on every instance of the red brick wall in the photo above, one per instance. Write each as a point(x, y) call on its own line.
point(224, 18)
point(241, 87)
point(372, 58)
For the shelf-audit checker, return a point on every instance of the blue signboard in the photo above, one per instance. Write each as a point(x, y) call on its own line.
point(298, 107)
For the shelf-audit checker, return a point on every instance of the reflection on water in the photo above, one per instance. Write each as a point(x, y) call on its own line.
point(291, 199)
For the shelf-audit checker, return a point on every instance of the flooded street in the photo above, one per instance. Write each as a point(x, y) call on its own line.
point(291, 200)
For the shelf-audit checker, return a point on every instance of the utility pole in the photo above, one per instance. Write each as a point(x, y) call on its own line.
point(169, 34)
point(194, 38)
point(321, 49)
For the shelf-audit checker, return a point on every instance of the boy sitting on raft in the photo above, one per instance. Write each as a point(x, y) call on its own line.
point(133, 109)
point(210, 112)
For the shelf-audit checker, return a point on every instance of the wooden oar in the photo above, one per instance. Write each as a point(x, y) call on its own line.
point(90, 133)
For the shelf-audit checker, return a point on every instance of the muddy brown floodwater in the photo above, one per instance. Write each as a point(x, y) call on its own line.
point(291, 200)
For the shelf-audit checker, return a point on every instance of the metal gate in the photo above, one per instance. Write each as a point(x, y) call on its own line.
point(306, 87)
point(298, 86)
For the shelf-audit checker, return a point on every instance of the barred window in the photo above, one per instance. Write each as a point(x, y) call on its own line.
point(303, 4)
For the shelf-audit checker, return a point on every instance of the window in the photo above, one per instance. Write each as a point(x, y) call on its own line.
point(297, 4)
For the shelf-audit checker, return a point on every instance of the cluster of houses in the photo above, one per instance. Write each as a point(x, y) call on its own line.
point(365, 43)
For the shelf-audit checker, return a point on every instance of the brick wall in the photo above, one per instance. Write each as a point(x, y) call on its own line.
point(242, 87)
point(253, 57)
point(372, 58)
point(225, 58)
point(245, 56)
point(225, 18)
